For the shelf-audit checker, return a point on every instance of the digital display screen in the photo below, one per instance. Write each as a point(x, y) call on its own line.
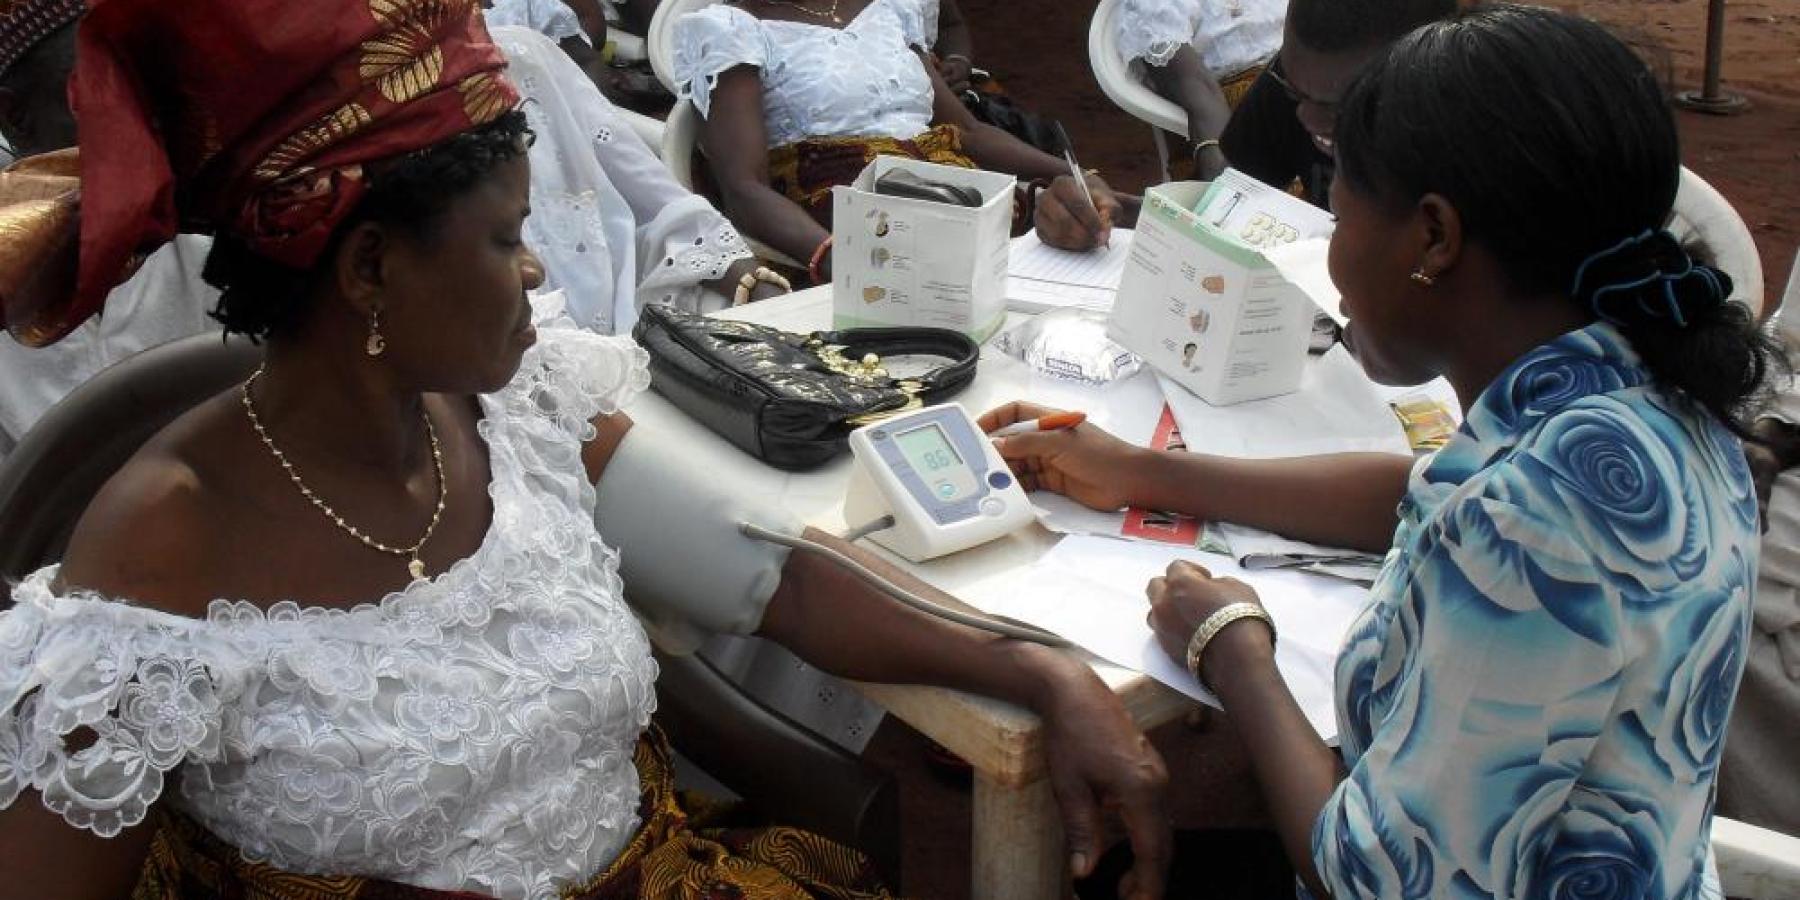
point(927, 449)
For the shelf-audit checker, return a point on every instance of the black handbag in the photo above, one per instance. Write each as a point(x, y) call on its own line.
point(1001, 112)
point(791, 400)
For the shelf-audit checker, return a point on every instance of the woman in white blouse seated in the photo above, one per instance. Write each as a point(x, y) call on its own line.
point(1203, 55)
point(613, 229)
point(354, 617)
point(798, 96)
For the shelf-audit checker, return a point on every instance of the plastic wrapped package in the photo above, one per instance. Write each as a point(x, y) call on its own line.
point(1070, 344)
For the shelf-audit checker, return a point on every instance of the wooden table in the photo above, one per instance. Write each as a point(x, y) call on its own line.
point(1018, 851)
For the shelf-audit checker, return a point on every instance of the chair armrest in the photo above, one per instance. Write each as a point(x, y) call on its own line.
point(787, 773)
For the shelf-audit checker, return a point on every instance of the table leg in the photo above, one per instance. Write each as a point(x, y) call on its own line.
point(1018, 852)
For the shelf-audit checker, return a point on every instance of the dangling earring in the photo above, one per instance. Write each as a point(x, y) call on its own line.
point(1419, 276)
point(376, 344)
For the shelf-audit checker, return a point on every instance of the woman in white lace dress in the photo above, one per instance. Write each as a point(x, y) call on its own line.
point(352, 620)
point(1203, 55)
point(798, 95)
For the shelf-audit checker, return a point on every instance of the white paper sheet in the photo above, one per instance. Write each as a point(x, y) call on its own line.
point(1029, 295)
point(1042, 277)
point(1128, 409)
point(1091, 591)
point(1032, 258)
point(1337, 409)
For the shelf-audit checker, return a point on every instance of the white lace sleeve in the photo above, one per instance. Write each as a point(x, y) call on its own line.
point(710, 41)
point(148, 689)
point(1152, 30)
point(575, 375)
point(687, 243)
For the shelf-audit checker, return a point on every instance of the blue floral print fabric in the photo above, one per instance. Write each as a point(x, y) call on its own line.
point(1534, 702)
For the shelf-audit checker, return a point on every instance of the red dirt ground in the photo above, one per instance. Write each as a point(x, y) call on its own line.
point(1038, 48)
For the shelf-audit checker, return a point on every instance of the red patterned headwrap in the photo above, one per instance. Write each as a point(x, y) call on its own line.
point(253, 118)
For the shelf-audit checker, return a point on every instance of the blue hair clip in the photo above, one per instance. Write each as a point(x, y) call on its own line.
point(1666, 278)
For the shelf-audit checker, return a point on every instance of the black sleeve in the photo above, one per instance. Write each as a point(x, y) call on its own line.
point(1265, 140)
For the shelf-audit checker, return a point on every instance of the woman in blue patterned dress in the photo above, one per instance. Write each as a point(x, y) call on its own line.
point(1533, 703)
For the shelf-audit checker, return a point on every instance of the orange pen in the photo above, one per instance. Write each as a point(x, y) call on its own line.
point(1052, 422)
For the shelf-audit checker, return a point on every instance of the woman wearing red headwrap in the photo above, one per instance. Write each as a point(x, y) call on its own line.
point(356, 608)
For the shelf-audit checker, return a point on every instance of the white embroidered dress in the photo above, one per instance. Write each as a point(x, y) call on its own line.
point(861, 80)
point(472, 732)
point(614, 229)
point(1230, 35)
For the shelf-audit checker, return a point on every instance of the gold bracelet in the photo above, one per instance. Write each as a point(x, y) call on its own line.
point(1210, 143)
point(1215, 623)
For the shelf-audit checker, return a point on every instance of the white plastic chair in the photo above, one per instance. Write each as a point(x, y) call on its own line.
point(1703, 216)
point(1755, 862)
point(1124, 87)
point(648, 130)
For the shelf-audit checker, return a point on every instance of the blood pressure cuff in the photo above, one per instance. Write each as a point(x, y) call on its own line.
point(688, 571)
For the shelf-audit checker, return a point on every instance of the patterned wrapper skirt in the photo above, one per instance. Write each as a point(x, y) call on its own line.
point(807, 171)
point(667, 858)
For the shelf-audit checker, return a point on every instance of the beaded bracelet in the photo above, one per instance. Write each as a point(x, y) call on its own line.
point(1215, 623)
point(748, 282)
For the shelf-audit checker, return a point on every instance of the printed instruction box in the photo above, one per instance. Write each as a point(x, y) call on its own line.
point(1201, 305)
point(901, 261)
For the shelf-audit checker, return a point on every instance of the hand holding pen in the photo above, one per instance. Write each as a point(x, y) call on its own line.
point(1054, 450)
point(1076, 212)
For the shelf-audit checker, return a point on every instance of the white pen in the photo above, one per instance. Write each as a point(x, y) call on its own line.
point(1075, 173)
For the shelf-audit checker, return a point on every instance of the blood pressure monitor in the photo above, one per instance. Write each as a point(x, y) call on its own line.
point(941, 479)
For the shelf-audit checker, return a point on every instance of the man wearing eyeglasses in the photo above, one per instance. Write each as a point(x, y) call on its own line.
point(1281, 132)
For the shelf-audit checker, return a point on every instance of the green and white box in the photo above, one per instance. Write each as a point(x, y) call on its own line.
point(901, 261)
point(1202, 306)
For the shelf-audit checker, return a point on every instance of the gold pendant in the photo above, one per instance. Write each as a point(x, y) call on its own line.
point(417, 568)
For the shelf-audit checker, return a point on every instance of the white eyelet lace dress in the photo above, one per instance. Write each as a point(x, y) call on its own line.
point(862, 80)
point(1231, 35)
point(473, 732)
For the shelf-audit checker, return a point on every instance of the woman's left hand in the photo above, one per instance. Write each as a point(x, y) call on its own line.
point(956, 71)
point(1099, 762)
point(1182, 598)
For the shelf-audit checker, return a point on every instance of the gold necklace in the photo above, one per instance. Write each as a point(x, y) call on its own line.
point(415, 566)
point(800, 5)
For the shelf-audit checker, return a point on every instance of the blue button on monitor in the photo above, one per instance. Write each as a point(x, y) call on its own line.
point(1000, 480)
point(946, 490)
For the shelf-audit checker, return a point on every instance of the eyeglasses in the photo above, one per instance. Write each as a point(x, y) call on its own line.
point(1293, 93)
